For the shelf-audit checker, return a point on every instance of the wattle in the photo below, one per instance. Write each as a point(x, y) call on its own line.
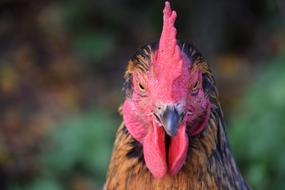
point(154, 152)
point(153, 140)
point(178, 150)
point(155, 155)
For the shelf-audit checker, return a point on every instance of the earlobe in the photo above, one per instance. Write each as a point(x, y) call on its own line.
point(201, 122)
point(132, 122)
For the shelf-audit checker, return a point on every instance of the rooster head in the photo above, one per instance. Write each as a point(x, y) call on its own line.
point(167, 104)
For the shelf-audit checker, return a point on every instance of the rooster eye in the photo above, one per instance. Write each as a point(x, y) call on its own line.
point(195, 88)
point(141, 87)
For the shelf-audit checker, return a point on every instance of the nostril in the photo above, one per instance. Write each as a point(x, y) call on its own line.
point(189, 112)
point(182, 116)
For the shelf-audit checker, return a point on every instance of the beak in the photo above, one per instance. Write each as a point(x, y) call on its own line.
point(170, 119)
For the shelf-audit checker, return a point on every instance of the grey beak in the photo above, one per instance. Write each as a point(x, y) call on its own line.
point(170, 119)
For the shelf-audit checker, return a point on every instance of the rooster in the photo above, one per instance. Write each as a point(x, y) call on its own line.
point(172, 135)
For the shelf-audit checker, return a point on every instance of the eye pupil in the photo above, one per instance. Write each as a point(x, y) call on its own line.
point(141, 86)
point(196, 85)
point(195, 88)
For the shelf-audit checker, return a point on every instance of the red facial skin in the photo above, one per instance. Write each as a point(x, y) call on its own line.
point(144, 127)
point(171, 80)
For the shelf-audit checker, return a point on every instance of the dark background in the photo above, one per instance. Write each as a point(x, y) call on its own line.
point(61, 72)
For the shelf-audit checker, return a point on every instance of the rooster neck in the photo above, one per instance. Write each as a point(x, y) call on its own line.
point(209, 163)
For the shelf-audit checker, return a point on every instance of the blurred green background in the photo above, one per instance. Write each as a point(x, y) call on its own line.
point(61, 72)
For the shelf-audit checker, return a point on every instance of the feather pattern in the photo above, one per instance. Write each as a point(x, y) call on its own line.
point(209, 163)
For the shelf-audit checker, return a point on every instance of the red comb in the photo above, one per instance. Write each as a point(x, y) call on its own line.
point(170, 62)
point(169, 55)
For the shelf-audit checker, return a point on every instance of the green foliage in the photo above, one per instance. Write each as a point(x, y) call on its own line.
point(95, 46)
point(90, 43)
point(79, 146)
point(257, 133)
point(44, 184)
point(39, 183)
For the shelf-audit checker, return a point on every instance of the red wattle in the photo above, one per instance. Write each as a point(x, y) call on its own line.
point(201, 126)
point(154, 152)
point(178, 150)
point(133, 124)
